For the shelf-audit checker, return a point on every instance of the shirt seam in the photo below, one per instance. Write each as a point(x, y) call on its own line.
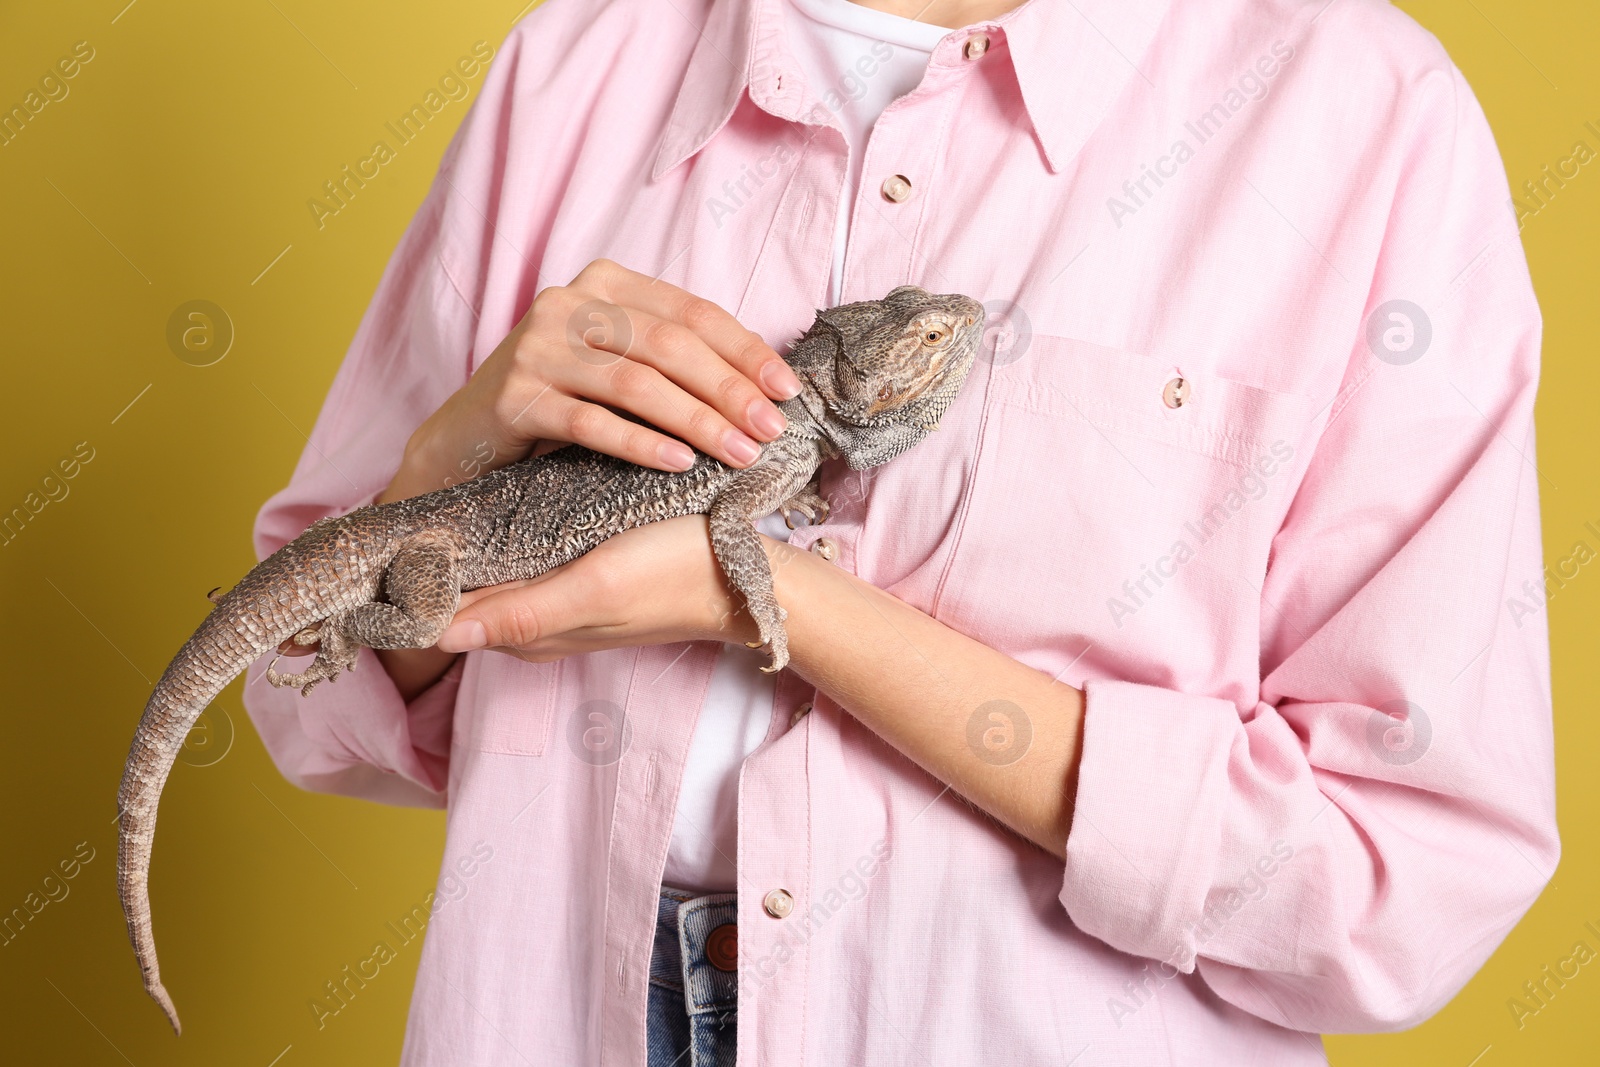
point(968, 491)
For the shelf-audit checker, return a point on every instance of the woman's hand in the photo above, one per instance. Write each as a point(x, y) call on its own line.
point(613, 338)
point(654, 584)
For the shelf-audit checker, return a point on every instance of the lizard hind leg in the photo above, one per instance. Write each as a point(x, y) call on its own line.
point(309, 636)
point(336, 653)
point(423, 588)
point(422, 583)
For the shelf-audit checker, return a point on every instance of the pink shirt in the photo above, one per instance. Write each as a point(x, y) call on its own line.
point(1316, 786)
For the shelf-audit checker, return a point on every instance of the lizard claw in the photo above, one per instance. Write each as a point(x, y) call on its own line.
point(754, 644)
point(305, 681)
point(215, 595)
point(807, 502)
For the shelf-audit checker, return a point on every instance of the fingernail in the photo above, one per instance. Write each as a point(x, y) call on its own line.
point(677, 455)
point(463, 636)
point(766, 418)
point(777, 377)
point(740, 447)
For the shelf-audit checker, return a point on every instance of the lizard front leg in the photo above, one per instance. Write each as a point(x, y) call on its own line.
point(809, 502)
point(423, 586)
point(751, 494)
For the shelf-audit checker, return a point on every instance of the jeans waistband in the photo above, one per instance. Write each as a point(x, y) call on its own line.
point(696, 937)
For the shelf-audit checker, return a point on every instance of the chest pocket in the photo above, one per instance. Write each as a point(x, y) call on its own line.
point(1125, 507)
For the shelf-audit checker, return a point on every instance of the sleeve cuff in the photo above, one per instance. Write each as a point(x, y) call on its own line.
point(332, 740)
point(1147, 823)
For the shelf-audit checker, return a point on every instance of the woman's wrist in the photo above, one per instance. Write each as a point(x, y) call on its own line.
point(414, 670)
point(419, 472)
point(720, 614)
point(725, 618)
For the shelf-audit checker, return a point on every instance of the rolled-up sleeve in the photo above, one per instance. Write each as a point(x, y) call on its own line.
point(414, 348)
point(1344, 855)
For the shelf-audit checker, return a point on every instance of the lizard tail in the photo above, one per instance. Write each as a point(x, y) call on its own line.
point(166, 722)
point(264, 609)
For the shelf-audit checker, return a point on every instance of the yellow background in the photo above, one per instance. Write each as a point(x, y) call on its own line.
point(177, 169)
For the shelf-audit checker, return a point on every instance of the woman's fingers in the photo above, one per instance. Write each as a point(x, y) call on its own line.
point(740, 348)
point(651, 367)
point(597, 428)
point(647, 366)
point(612, 339)
point(515, 616)
point(666, 391)
point(607, 353)
point(678, 353)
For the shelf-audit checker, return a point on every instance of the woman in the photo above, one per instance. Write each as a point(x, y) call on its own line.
point(1160, 708)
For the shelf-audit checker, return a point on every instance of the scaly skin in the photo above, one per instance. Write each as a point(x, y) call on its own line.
point(876, 378)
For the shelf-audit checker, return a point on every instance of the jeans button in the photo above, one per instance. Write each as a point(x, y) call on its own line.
point(722, 947)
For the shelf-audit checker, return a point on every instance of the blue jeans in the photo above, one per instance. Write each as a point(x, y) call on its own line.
point(694, 981)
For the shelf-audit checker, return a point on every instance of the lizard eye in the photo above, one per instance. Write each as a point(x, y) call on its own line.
point(886, 393)
point(936, 335)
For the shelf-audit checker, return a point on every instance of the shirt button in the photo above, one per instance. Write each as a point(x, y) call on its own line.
point(799, 713)
point(976, 46)
point(1176, 394)
point(722, 947)
point(778, 904)
point(897, 188)
point(826, 547)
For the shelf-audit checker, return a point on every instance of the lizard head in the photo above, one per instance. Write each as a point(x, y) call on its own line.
point(887, 370)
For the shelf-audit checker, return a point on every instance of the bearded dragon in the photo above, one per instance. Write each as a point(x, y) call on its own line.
point(876, 377)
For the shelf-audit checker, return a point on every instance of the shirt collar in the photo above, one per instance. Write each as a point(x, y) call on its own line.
point(1072, 59)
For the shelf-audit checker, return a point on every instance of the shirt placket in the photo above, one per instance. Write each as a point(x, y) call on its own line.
point(899, 190)
point(786, 278)
point(775, 788)
point(897, 199)
point(774, 859)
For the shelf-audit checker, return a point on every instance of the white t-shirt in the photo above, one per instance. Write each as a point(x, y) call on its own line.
point(857, 61)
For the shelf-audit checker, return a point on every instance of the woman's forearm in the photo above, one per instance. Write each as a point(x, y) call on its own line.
point(1002, 734)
